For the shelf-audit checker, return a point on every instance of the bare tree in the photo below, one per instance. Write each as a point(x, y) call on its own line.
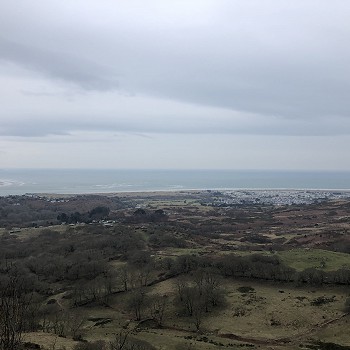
point(158, 306)
point(143, 275)
point(198, 279)
point(14, 303)
point(181, 284)
point(108, 281)
point(124, 276)
point(190, 297)
point(136, 302)
point(212, 291)
point(197, 314)
point(120, 340)
point(123, 341)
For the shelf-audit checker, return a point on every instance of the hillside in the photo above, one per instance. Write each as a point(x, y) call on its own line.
point(175, 270)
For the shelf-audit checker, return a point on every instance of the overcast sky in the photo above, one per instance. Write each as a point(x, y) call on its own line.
point(236, 84)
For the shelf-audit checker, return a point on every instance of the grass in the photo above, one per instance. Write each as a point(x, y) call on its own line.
point(271, 311)
point(335, 333)
point(182, 251)
point(301, 259)
point(49, 341)
point(171, 340)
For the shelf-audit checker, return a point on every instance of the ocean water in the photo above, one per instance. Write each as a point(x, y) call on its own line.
point(22, 181)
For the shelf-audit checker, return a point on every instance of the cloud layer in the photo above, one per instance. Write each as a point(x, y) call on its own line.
point(264, 69)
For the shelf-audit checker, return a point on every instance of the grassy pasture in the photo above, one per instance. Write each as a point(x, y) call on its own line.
point(50, 341)
point(335, 333)
point(261, 317)
point(268, 313)
point(301, 259)
point(273, 311)
point(181, 251)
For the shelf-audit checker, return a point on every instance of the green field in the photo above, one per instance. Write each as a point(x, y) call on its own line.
point(301, 259)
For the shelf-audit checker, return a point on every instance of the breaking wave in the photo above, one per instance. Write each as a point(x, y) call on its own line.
point(10, 183)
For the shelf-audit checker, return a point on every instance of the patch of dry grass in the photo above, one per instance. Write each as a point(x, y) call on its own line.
point(49, 341)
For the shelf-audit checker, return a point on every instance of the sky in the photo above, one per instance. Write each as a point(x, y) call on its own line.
point(195, 84)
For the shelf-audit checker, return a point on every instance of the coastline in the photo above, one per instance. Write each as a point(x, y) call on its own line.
point(205, 197)
point(145, 193)
point(109, 182)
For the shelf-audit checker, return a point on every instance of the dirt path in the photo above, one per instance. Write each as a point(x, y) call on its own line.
point(257, 341)
point(59, 303)
point(284, 340)
point(320, 326)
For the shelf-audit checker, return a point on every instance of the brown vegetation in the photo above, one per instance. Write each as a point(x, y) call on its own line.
point(105, 270)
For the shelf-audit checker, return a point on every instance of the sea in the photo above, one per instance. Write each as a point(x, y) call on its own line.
point(78, 181)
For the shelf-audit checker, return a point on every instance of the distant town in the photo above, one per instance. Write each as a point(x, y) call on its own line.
point(276, 197)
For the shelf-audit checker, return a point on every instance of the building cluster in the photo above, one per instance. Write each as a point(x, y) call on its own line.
point(276, 197)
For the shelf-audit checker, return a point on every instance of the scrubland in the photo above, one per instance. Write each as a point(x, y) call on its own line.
point(172, 271)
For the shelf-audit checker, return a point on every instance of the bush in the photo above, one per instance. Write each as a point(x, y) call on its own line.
point(326, 346)
point(246, 289)
point(97, 345)
point(322, 300)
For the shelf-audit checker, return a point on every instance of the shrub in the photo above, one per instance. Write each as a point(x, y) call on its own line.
point(246, 289)
point(97, 345)
point(322, 300)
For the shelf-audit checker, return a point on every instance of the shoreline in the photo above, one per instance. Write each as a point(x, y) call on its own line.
point(112, 182)
point(177, 191)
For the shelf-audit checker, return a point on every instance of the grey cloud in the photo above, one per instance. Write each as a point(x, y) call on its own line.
point(32, 130)
point(288, 64)
point(271, 87)
point(143, 126)
point(59, 65)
